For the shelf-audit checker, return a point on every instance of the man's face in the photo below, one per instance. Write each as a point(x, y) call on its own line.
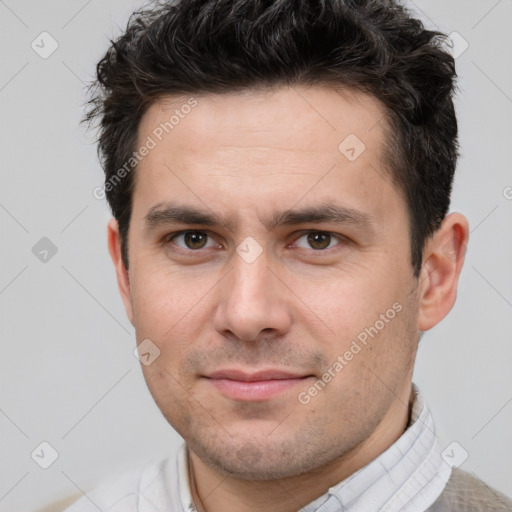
point(263, 292)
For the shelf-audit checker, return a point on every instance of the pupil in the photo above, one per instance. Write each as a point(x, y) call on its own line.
point(321, 239)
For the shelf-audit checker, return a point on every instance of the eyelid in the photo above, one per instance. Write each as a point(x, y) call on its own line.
point(171, 236)
point(340, 238)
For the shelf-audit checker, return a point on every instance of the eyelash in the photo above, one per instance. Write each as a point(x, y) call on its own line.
point(172, 236)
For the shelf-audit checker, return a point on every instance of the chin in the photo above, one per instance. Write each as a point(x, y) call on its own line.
point(257, 461)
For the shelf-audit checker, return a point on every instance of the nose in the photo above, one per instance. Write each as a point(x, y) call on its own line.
point(253, 301)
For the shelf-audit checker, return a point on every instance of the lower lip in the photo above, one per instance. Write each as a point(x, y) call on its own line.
point(256, 390)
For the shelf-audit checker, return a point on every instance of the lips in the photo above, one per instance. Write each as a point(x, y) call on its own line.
point(255, 376)
point(254, 386)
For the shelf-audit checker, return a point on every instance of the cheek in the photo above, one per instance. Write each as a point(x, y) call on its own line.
point(349, 301)
point(171, 308)
point(162, 296)
point(371, 327)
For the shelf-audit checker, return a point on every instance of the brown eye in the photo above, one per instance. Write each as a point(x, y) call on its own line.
point(195, 239)
point(319, 241)
point(191, 240)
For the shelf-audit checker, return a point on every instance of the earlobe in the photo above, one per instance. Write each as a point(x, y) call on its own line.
point(443, 258)
point(123, 279)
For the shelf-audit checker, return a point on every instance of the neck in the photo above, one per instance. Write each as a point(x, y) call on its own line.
point(215, 492)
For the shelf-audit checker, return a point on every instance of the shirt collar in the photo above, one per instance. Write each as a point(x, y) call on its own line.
point(407, 477)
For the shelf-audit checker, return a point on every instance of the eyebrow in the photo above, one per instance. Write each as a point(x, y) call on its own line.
point(163, 214)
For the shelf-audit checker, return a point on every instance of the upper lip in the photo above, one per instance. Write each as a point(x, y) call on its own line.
point(254, 376)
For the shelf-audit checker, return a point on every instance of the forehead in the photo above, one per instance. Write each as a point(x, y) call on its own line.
point(283, 145)
point(314, 118)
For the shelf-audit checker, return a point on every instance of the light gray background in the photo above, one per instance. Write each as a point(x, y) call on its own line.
point(67, 372)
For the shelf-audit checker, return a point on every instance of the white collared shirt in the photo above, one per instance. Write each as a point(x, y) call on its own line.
point(407, 477)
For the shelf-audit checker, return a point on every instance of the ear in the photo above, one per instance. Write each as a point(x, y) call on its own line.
point(123, 279)
point(443, 258)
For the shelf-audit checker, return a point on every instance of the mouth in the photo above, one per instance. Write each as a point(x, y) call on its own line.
point(256, 386)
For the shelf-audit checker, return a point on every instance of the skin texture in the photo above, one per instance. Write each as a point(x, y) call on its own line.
point(296, 307)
